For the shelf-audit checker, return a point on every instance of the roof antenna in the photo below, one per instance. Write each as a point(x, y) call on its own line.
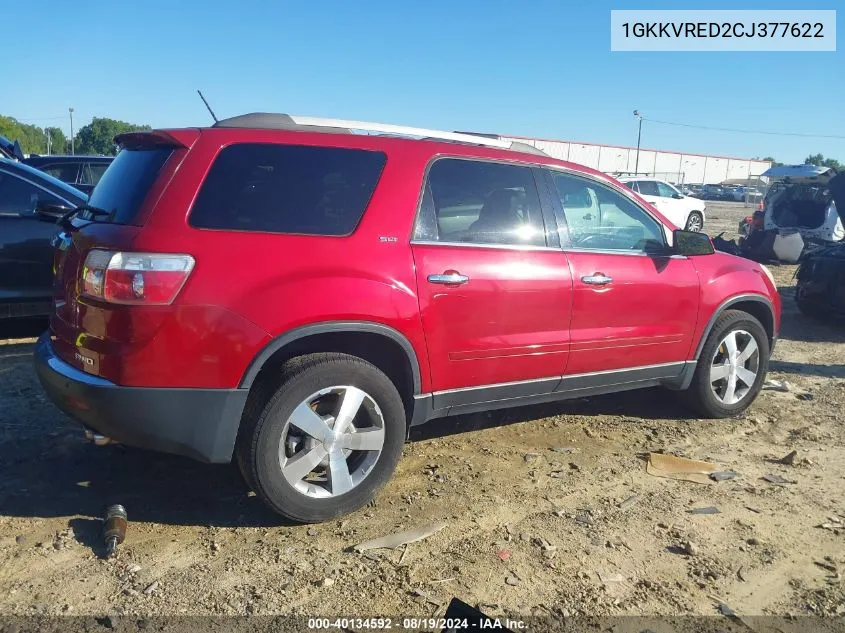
point(207, 106)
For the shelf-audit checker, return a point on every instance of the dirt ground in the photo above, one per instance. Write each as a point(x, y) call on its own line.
point(532, 499)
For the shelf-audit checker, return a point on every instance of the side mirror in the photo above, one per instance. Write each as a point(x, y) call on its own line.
point(678, 196)
point(51, 212)
point(692, 243)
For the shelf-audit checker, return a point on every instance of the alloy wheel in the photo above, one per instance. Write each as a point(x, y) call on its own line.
point(331, 441)
point(694, 223)
point(734, 367)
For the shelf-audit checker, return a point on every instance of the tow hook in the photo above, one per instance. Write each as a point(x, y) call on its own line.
point(97, 439)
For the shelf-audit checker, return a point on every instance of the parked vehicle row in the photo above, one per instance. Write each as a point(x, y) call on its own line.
point(293, 295)
point(734, 193)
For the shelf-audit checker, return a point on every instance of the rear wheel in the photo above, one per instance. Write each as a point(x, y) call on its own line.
point(695, 221)
point(326, 441)
point(731, 367)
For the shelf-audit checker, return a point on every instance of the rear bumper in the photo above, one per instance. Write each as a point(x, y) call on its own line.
point(198, 423)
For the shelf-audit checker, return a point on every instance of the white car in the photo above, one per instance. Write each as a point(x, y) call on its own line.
point(798, 198)
point(683, 211)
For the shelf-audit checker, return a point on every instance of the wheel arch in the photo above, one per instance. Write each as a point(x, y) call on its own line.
point(377, 343)
point(757, 306)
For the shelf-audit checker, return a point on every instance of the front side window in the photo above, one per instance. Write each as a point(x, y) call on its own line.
point(92, 172)
point(19, 197)
point(600, 218)
point(287, 189)
point(476, 202)
point(666, 191)
point(648, 188)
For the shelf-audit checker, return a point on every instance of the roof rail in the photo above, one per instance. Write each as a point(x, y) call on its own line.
point(295, 122)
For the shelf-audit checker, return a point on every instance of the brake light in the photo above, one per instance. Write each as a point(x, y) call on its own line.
point(135, 278)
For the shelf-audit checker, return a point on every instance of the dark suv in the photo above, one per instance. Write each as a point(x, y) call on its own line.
point(298, 295)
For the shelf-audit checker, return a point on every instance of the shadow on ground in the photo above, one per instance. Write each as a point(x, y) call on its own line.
point(47, 469)
point(648, 404)
point(807, 369)
point(796, 326)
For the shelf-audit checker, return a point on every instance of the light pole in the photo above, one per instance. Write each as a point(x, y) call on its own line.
point(639, 136)
point(72, 148)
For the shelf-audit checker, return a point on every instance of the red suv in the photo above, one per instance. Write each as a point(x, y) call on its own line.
point(297, 294)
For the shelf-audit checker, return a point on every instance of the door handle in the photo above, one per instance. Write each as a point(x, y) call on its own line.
point(596, 279)
point(448, 279)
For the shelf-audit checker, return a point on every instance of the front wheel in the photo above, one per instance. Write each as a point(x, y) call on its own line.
point(695, 221)
point(327, 439)
point(731, 367)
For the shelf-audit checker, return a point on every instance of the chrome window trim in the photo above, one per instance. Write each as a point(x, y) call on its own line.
point(510, 247)
point(574, 249)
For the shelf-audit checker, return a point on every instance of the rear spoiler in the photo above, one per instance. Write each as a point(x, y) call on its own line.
point(182, 138)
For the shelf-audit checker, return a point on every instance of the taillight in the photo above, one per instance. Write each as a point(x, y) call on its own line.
point(135, 278)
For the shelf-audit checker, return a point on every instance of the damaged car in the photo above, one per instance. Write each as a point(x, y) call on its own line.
point(799, 199)
point(820, 291)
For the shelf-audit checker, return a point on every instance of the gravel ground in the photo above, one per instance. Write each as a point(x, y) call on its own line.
point(549, 510)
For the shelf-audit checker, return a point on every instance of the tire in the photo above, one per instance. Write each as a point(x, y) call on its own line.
point(701, 395)
point(695, 219)
point(329, 377)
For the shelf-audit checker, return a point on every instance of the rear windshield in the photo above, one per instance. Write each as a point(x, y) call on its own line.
point(287, 189)
point(125, 183)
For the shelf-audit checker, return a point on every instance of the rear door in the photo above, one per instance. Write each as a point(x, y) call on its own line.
point(634, 306)
point(495, 290)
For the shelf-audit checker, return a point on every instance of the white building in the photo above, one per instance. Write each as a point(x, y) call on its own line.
point(676, 167)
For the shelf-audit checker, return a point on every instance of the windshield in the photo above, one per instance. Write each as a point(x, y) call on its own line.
point(125, 183)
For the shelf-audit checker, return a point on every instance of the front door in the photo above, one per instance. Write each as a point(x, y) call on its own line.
point(26, 255)
point(634, 305)
point(495, 290)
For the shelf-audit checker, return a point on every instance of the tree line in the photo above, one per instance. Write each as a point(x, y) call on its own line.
point(94, 138)
point(813, 159)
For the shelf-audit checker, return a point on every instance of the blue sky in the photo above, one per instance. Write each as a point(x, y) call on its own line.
point(531, 68)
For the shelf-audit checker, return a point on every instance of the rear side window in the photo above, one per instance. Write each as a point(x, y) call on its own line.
point(648, 188)
point(126, 182)
point(287, 189)
point(92, 172)
point(479, 202)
